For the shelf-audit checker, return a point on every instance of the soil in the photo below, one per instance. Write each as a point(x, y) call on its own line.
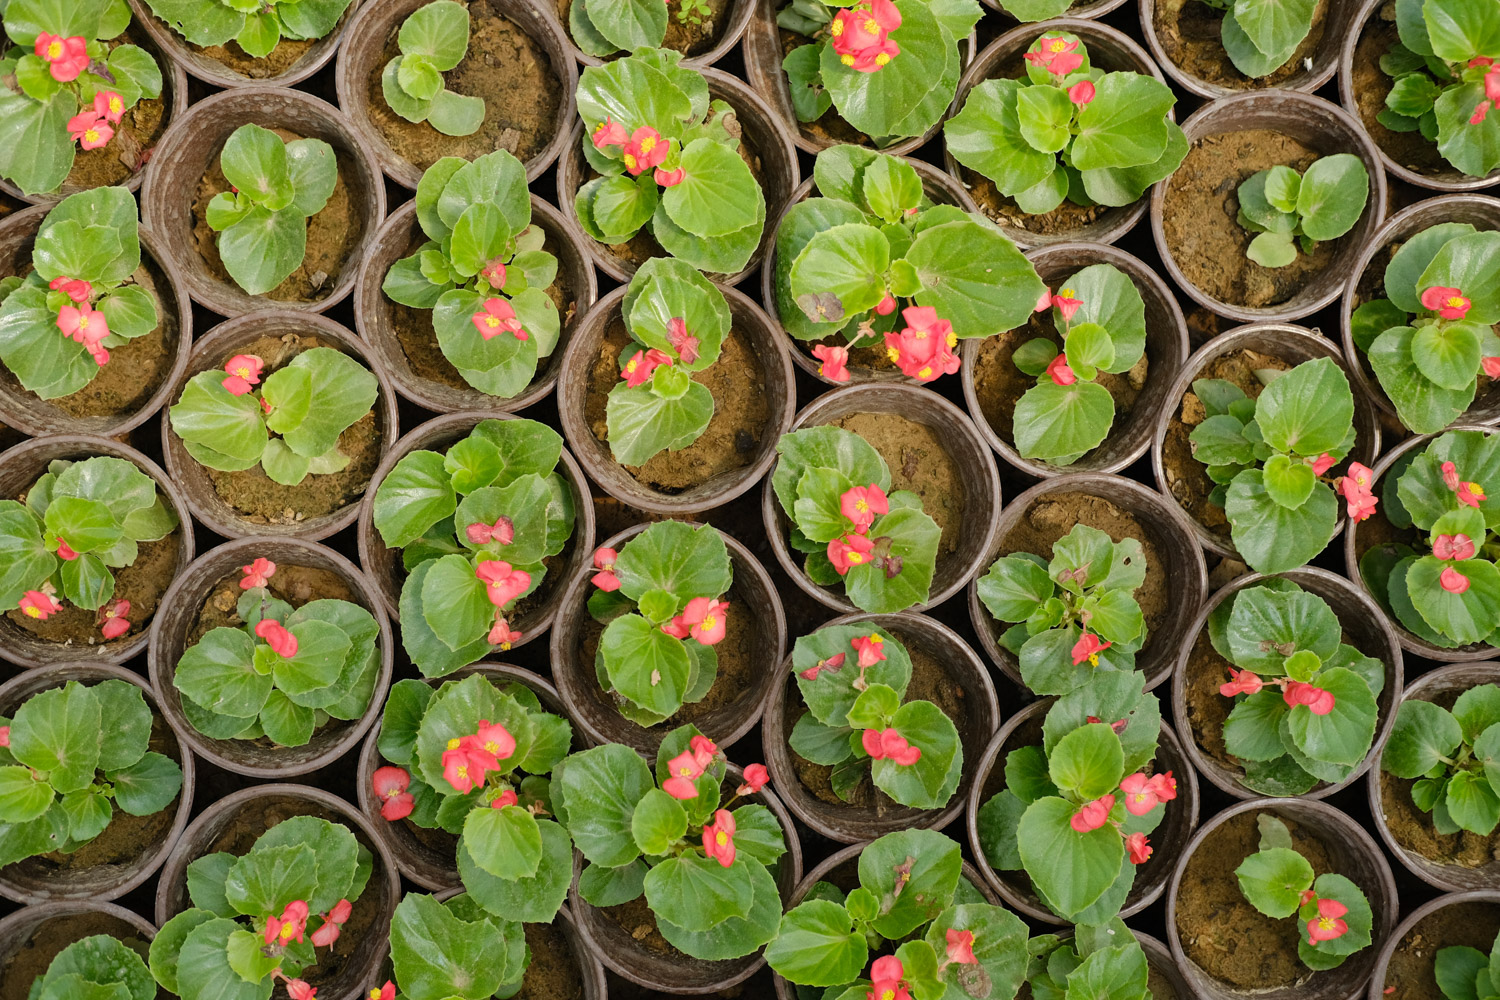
point(52, 936)
point(135, 134)
point(1065, 218)
point(1371, 85)
point(553, 972)
point(279, 60)
point(297, 585)
point(1229, 939)
point(1199, 218)
point(505, 67)
point(1189, 34)
point(829, 127)
point(918, 463)
point(637, 920)
point(332, 233)
point(1409, 976)
point(1160, 986)
point(683, 36)
point(730, 441)
point(760, 986)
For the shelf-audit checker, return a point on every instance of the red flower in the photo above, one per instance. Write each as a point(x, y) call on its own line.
point(1318, 701)
point(257, 573)
point(677, 628)
point(861, 35)
point(494, 272)
point(718, 838)
point(65, 551)
point(831, 664)
point(38, 605)
point(1321, 464)
point(704, 750)
point(109, 105)
point(66, 58)
point(505, 798)
point(496, 739)
point(881, 744)
point(465, 762)
point(1453, 547)
point(1056, 55)
point(74, 288)
point(87, 326)
point(1163, 786)
point(1453, 581)
point(871, 649)
point(684, 343)
point(325, 936)
point(1137, 848)
point(115, 622)
point(1491, 367)
point(685, 771)
point(1065, 303)
point(604, 562)
point(961, 947)
point(1241, 682)
point(282, 642)
point(391, 785)
point(1492, 84)
point(1326, 925)
point(502, 531)
point(645, 150)
point(502, 635)
point(849, 551)
point(496, 318)
point(1059, 372)
point(924, 348)
point(756, 778)
point(1081, 92)
point(835, 360)
point(886, 305)
point(89, 130)
point(610, 133)
point(4, 736)
point(1470, 494)
point(1356, 490)
point(886, 979)
point(1044, 301)
point(1450, 475)
point(299, 990)
point(669, 178)
point(861, 504)
point(705, 619)
point(638, 369)
point(1140, 794)
point(1448, 303)
point(290, 925)
point(244, 371)
point(503, 584)
point(1088, 648)
point(1092, 815)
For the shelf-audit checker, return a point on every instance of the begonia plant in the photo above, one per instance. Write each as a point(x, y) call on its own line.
point(1463, 972)
point(832, 485)
point(1073, 615)
point(70, 758)
point(64, 88)
point(482, 272)
point(1261, 36)
point(853, 679)
point(433, 39)
point(705, 864)
point(95, 966)
point(1066, 130)
point(475, 525)
point(603, 27)
point(1270, 456)
point(668, 161)
point(1287, 210)
point(257, 28)
point(1430, 338)
point(58, 323)
point(258, 921)
point(1102, 961)
point(1452, 756)
point(453, 950)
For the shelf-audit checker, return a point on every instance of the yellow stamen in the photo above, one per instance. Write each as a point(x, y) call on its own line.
point(846, 59)
point(630, 160)
point(1066, 293)
point(288, 932)
point(872, 26)
point(54, 50)
point(115, 105)
point(862, 505)
point(1058, 45)
point(952, 340)
point(708, 623)
point(685, 772)
point(882, 58)
point(491, 321)
point(492, 746)
point(631, 365)
point(1093, 659)
point(463, 772)
point(837, 28)
point(91, 135)
point(893, 354)
point(1457, 302)
point(648, 144)
point(926, 372)
point(721, 838)
point(856, 558)
point(888, 995)
point(34, 612)
point(83, 321)
point(453, 744)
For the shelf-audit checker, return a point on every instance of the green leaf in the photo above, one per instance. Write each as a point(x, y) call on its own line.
point(914, 540)
point(1422, 405)
point(1252, 731)
point(439, 31)
point(675, 557)
point(264, 881)
point(986, 136)
point(1464, 618)
point(417, 494)
point(645, 665)
point(825, 447)
point(1088, 762)
point(218, 672)
point(611, 779)
point(629, 24)
point(659, 822)
point(1344, 735)
point(1266, 626)
point(1288, 483)
point(1125, 125)
point(932, 780)
point(147, 786)
point(1423, 734)
point(910, 93)
point(1045, 114)
point(1455, 968)
point(1373, 318)
point(601, 886)
point(435, 954)
point(1466, 262)
point(505, 842)
point(693, 891)
point(22, 797)
point(928, 865)
point(1014, 587)
point(1308, 410)
point(1459, 31)
point(313, 168)
point(1448, 354)
point(1272, 538)
point(641, 423)
point(1477, 709)
point(1273, 880)
point(974, 277)
point(344, 391)
point(167, 944)
point(102, 958)
point(254, 162)
point(56, 733)
point(1072, 870)
point(848, 262)
point(1059, 423)
point(817, 945)
point(1472, 803)
point(35, 151)
point(718, 194)
point(1332, 196)
point(1272, 250)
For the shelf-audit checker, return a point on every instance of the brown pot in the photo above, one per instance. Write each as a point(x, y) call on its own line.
point(385, 567)
point(1316, 123)
point(849, 824)
point(1410, 932)
point(593, 710)
point(213, 350)
point(31, 937)
point(1363, 28)
point(1166, 530)
point(1108, 49)
point(258, 809)
point(740, 12)
point(1292, 344)
point(1159, 959)
point(1368, 632)
point(363, 56)
point(674, 972)
point(1352, 853)
point(20, 467)
point(1367, 281)
point(778, 389)
point(37, 881)
point(28, 412)
point(190, 151)
point(1166, 350)
point(981, 484)
point(169, 640)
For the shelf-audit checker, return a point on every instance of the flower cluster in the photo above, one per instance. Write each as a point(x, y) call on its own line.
point(81, 322)
point(644, 149)
point(1469, 494)
point(258, 573)
point(1294, 693)
point(503, 584)
point(1067, 304)
point(281, 641)
point(860, 505)
point(1356, 490)
point(641, 365)
point(1491, 91)
point(703, 619)
point(93, 127)
point(469, 758)
point(861, 35)
point(835, 361)
point(1088, 647)
point(882, 744)
point(1057, 56)
point(66, 58)
point(687, 767)
point(112, 621)
point(1141, 795)
point(281, 932)
point(923, 350)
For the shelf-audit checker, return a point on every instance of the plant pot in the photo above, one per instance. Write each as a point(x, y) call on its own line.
point(1166, 981)
point(1210, 74)
point(752, 599)
point(1367, 281)
point(1180, 476)
point(106, 875)
point(20, 467)
point(1084, 11)
point(385, 567)
point(1362, 92)
point(1199, 708)
point(1350, 853)
point(1378, 528)
point(185, 603)
point(967, 679)
point(672, 971)
point(739, 14)
point(764, 134)
point(937, 186)
point(263, 503)
point(1166, 350)
point(117, 400)
point(405, 149)
point(590, 367)
point(1407, 956)
point(233, 824)
point(969, 494)
point(223, 66)
point(31, 937)
point(185, 171)
point(1108, 49)
point(1110, 503)
point(1202, 229)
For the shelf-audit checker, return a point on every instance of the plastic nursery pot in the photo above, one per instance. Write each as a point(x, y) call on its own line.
point(1350, 852)
point(617, 946)
point(1404, 968)
point(969, 497)
point(1367, 281)
point(738, 16)
point(1200, 710)
point(73, 636)
point(371, 43)
point(966, 678)
point(1166, 349)
point(403, 337)
point(757, 631)
point(184, 175)
point(592, 347)
point(1166, 980)
point(139, 845)
point(189, 599)
point(31, 937)
point(118, 399)
point(235, 822)
point(385, 566)
point(250, 503)
point(1108, 49)
point(1035, 520)
point(1203, 238)
point(773, 161)
point(1236, 353)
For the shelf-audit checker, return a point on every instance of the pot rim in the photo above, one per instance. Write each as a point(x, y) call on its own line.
point(1388, 948)
point(54, 909)
point(741, 13)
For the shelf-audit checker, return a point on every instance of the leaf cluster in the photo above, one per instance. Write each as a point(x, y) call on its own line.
point(258, 26)
point(1465, 973)
point(456, 949)
point(95, 966)
point(1453, 758)
point(433, 39)
point(1287, 210)
point(1261, 36)
point(1102, 960)
point(602, 28)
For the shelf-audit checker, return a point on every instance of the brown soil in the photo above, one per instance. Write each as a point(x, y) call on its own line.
point(682, 36)
point(918, 463)
point(1371, 85)
point(1160, 986)
point(331, 234)
point(51, 937)
point(553, 972)
point(1229, 939)
point(135, 135)
point(279, 60)
point(1189, 33)
point(737, 381)
point(1409, 976)
point(636, 919)
point(297, 585)
point(830, 126)
point(1065, 218)
point(1199, 218)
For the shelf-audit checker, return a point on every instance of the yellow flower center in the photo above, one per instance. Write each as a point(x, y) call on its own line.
point(1326, 923)
point(34, 611)
point(846, 59)
point(893, 354)
point(888, 995)
point(463, 771)
point(1139, 796)
point(453, 744)
point(54, 50)
point(856, 558)
point(1093, 659)
point(882, 58)
point(91, 135)
point(374, 995)
point(1066, 293)
point(1457, 302)
point(921, 334)
point(647, 145)
point(491, 321)
point(872, 26)
point(685, 772)
point(709, 621)
point(287, 932)
point(492, 747)
point(952, 340)
point(631, 365)
point(837, 28)
point(630, 160)
point(721, 838)
point(83, 321)
point(926, 372)
point(115, 105)
point(862, 505)
point(1059, 45)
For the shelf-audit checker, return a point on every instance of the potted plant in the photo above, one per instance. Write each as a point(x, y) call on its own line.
point(99, 962)
point(1457, 923)
point(703, 31)
point(1107, 956)
point(227, 46)
point(32, 936)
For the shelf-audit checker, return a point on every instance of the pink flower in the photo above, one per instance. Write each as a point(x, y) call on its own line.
point(1056, 55)
point(638, 369)
point(1092, 815)
point(861, 35)
point(244, 371)
point(506, 798)
point(886, 305)
point(604, 562)
point(35, 604)
point(74, 288)
point(1306, 897)
point(290, 925)
point(496, 318)
point(1326, 925)
point(85, 325)
point(1453, 547)
point(4, 736)
point(1163, 786)
point(756, 778)
point(109, 105)
point(299, 990)
point(494, 272)
point(1470, 494)
point(705, 619)
point(1453, 581)
point(89, 130)
point(1448, 303)
point(871, 649)
point(386, 992)
point(961, 947)
point(1321, 464)
point(1450, 475)
point(325, 936)
point(835, 360)
point(1081, 92)
point(465, 761)
point(257, 573)
point(66, 58)
point(502, 635)
point(645, 150)
point(1491, 367)
point(1059, 372)
point(718, 838)
point(1044, 301)
point(610, 133)
point(502, 531)
point(1356, 490)
point(1492, 84)
point(704, 750)
point(881, 744)
point(831, 664)
point(282, 642)
point(886, 980)
point(503, 583)
point(115, 622)
point(1317, 700)
point(669, 178)
point(1140, 794)
point(924, 348)
point(684, 343)
point(1088, 647)
point(65, 551)
point(1137, 848)
point(496, 739)
point(1241, 682)
point(861, 504)
point(677, 628)
point(1065, 303)
point(391, 785)
point(849, 551)
point(684, 771)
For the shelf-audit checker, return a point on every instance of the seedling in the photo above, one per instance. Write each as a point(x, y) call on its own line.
point(1451, 758)
point(433, 39)
point(1261, 36)
point(98, 965)
point(601, 28)
point(1463, 972)
point(1287, 210)
point(453, 950)
point(256, 28)
point(1103, 960)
